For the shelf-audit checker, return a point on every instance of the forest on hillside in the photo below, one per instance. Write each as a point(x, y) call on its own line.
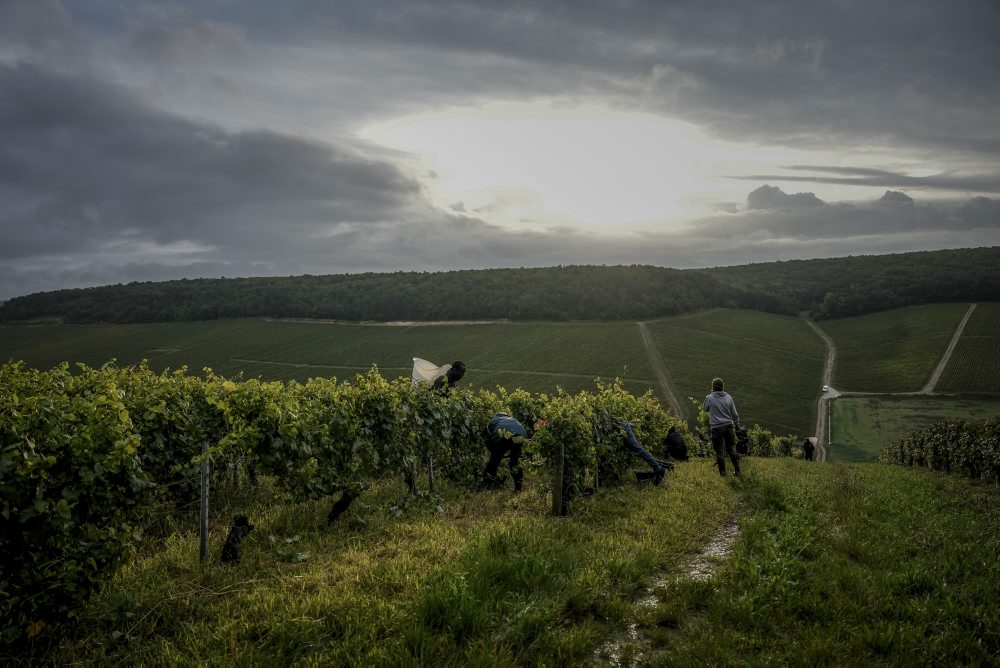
point(827, 288)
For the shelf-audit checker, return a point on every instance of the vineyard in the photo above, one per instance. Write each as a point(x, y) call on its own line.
point(88, 457)
point(966, 448)
point(895, 351)
point(975, 362)
point(772, 365)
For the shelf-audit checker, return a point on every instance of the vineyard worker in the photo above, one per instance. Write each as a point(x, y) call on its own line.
point(722, 419)
point(808, 447)
point(453, 373)
point(632, 443)
point(504, 436)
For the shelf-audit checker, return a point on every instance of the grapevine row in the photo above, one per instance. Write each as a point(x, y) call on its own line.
point(969, 448)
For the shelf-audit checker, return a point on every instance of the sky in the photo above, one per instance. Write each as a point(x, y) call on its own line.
point(160, 140)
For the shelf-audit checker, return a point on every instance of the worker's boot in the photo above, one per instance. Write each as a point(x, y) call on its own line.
point(517, 475)
point(722, 466)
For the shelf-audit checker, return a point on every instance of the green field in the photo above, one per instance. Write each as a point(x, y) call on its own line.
point(535, 356)
point(772, 365)
point(862, 426)
point(894, 351)
point(975, 362)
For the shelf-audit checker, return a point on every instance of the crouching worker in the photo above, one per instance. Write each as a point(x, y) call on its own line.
point(632, 443)
point(504, 436)
point(675, 446)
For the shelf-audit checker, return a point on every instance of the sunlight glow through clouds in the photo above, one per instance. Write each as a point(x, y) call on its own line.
point(593, 166)
point(589, 166)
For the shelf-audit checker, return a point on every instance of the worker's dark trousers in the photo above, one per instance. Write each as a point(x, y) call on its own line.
point(723, 436)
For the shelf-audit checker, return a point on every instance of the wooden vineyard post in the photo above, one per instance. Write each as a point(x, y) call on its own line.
point(557, 483)
point(430, 472)
point(203, 514)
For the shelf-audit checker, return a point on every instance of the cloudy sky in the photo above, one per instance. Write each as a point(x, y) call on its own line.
point(156, 140)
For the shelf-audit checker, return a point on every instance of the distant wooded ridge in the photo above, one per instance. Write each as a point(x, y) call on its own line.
point(827, 288)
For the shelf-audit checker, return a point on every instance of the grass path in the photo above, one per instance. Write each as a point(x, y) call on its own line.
point(659, 369)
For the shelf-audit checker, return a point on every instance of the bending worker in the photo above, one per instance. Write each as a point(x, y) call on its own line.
point(504, 436)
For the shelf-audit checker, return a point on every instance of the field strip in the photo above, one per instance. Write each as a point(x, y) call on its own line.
point(302, 365)
point(391, 323)
point(659, 369)
point(784, 351)
point(936, 376)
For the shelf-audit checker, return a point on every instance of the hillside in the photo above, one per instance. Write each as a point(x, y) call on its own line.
point(778, 568)
point(829, 288)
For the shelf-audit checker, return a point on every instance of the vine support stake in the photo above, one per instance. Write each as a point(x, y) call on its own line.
point(203, 514)
point(557, 483)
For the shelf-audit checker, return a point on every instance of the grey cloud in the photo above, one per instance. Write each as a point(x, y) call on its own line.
point(895, 197)
point(772, 197)
point(860, 176)
point(856, 222)
point(82, 163)
point(913, 74)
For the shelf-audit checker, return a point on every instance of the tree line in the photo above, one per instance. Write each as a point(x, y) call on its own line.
point(827, 288)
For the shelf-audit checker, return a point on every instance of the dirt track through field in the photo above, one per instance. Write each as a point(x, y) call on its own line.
point(659, 369)
point(823, 403)
point(822, 414)
point(936, 376)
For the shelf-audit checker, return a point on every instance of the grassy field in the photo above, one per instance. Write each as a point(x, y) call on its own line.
point(775, 568)
point(862, 426)
point(772, 365)
point(894, 351)
point(975, 362)
point(535, 356)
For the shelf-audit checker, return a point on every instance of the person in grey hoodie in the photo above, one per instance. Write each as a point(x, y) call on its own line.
point(722, 420)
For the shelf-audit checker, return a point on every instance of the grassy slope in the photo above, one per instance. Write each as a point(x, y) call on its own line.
point(862, 426)
point(894, 351)
point(493, 580)
point(772, 365)
point(975, 362)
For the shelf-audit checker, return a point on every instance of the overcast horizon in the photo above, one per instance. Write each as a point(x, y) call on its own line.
point(155, 141)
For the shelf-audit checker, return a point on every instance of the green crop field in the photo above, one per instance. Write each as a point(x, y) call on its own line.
point(894, 351)
point(862, 426)
point(535, 356)
point(772, 365)
point(975, 362)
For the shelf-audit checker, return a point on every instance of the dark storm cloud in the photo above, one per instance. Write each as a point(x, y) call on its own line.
point(121, 158)
point(917, 71)
point(82, 164)
point(914, 73)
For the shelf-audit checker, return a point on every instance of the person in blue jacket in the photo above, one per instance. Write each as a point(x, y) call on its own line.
point(632, 443)
point(722, 420)
point(504, 436)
